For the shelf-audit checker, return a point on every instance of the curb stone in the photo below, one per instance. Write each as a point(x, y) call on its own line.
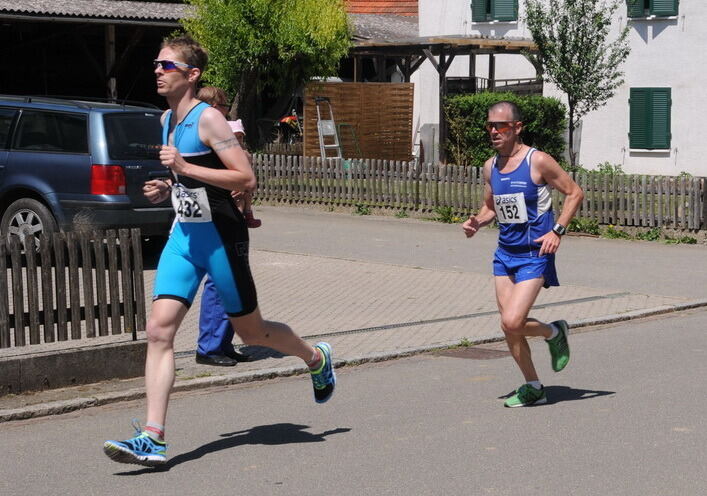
point(67, 406)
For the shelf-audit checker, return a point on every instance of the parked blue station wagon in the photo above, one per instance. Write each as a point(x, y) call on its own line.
point(76, 165)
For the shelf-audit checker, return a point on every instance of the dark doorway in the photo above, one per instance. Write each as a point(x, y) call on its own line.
point(69, 59)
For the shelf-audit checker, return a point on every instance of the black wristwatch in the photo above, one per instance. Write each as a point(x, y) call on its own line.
point(559, 229)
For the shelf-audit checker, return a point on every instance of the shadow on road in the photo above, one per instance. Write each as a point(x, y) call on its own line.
point(264, 434)
point(256, 353)
point(558, 394)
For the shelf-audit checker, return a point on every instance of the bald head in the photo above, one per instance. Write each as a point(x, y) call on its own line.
point(510, 109)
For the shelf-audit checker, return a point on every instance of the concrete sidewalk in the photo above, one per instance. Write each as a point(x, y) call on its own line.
point(365, 310)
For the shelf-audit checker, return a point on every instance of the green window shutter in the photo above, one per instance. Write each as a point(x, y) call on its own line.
point(639, 118)
point(660, 118)
point(504, 10)
point(664, 7)
point(479, 10)
point(635, 8)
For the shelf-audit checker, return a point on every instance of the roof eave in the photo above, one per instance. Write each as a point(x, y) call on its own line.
point(167, 23)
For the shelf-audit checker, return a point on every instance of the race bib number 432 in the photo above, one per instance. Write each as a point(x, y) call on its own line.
point(190, 205)
point(510, 209)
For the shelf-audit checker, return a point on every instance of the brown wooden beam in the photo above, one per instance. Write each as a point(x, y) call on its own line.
point(472, 72)
point(431, 58)
point(382, 73)
point(358, 68)
point(111, 83)
point(416, 64)
point(444, 62)
point(135, 38)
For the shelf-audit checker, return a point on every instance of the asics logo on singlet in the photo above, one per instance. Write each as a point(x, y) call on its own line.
point(189, 124)
point(505, 179)
point(505, 200)
point(187, 194)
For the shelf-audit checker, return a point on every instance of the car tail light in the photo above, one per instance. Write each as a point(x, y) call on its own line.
point(107, 180)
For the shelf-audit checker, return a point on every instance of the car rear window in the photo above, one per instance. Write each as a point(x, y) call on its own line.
point(6, 116)
point(52, 132)
point(133, 135)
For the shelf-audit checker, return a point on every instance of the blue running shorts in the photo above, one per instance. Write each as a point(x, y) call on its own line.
point(195, 249)
point(526, 268)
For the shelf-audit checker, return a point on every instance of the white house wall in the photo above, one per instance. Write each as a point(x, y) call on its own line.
point(664, 53)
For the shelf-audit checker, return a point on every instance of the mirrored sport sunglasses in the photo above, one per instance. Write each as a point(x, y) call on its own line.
point(500, 126)
point(170, 65)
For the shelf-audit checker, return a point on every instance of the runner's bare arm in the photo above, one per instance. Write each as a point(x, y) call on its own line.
point(551, 173)
point(487, 213)
point(215, 132)
point(558, 179)
point(157, 190)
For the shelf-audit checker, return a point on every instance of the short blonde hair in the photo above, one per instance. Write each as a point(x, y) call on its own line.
point(191, 51)
point(212, 95)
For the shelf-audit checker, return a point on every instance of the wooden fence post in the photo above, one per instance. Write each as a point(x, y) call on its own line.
point(702, 223)
point(74, 294)
point(127, 282)
point(87, 278)
point(113, 284)
point(4, 300)
point(32, 289)
point(138, 282)
point(59, 245)
point(101, 294)
point(47, 293)
point(17, 293)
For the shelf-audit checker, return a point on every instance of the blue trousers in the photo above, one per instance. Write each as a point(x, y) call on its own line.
point(215, 330)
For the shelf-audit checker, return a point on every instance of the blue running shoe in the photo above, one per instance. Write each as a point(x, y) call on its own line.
point(324, 378)
point(140, 450)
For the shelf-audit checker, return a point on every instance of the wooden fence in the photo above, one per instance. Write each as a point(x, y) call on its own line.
point(622, 200)
point(283, 148)
point(73, 285)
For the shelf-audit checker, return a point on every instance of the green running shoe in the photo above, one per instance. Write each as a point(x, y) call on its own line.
point(559, 348)
point(526, 395)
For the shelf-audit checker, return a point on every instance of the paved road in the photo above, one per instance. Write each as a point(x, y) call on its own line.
point(625, 418)
point(357, 280)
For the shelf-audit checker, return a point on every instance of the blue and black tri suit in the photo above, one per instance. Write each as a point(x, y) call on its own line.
point(524, 213)
point(209, 235)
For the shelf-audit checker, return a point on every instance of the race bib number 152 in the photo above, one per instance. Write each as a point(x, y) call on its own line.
point(510, 209)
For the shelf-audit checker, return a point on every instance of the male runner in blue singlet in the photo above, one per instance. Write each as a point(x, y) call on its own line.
point(209, 236)
point(517, 192)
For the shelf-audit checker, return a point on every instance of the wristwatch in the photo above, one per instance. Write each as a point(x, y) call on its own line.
point(559, 229)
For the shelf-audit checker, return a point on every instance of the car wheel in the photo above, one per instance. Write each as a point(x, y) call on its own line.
point(27, 217)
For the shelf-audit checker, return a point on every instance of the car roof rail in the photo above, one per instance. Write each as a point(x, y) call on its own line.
point(79, 101)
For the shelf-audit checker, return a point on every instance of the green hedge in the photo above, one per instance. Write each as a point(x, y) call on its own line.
point(544, 122)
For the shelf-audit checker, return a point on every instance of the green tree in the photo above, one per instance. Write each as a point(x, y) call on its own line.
point(576, 53)
point(259, 47)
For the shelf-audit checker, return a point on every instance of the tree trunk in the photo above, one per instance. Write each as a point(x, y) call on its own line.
point(572, 154)
point(245, 107)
